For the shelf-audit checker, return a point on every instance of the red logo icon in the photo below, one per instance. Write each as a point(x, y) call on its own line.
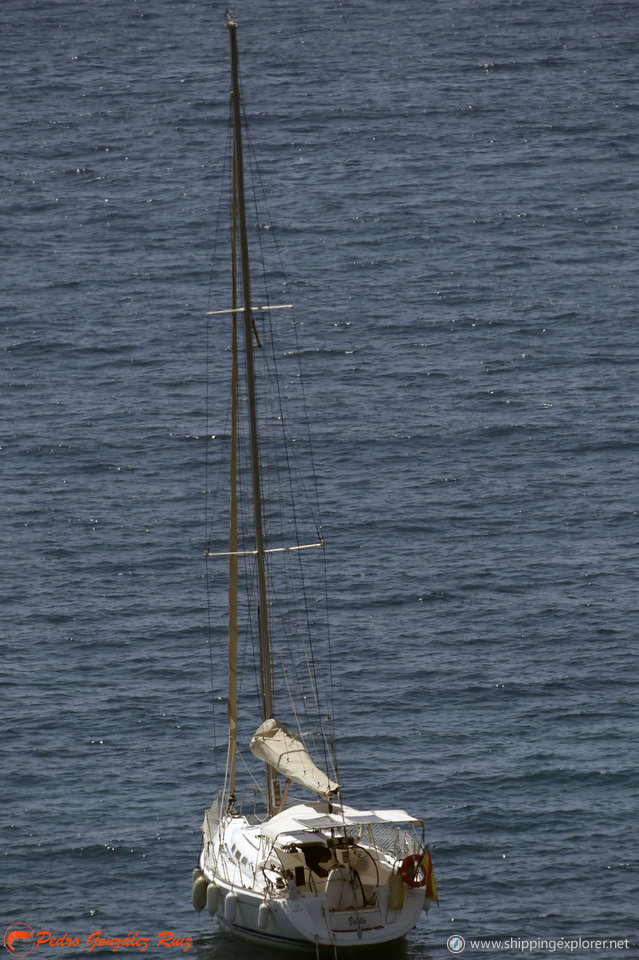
point(18, 939)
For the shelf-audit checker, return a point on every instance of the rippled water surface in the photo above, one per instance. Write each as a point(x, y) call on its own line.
point(454, 191)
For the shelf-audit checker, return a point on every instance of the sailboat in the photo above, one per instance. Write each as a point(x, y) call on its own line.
point(293, 864)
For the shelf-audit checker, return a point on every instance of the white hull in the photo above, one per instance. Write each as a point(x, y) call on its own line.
point(354, 902)
point(306, 921)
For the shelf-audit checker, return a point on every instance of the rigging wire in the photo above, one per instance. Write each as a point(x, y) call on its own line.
point(287, 481)
point(289, 453)
point(208, 437)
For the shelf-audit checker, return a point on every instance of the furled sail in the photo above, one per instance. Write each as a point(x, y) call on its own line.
point(273, 744)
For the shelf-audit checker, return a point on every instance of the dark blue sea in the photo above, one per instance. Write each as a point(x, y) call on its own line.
point(455, 191)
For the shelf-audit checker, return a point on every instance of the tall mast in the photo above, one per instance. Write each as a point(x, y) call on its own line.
point(265, 658)
point(233, 545)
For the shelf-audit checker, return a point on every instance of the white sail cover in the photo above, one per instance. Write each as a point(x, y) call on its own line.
point(273, 744)
point(315, 816)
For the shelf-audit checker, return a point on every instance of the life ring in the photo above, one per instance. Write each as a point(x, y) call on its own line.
point(412, 870)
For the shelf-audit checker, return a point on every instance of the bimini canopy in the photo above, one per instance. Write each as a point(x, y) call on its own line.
point(315, 816)
point(273, 744)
